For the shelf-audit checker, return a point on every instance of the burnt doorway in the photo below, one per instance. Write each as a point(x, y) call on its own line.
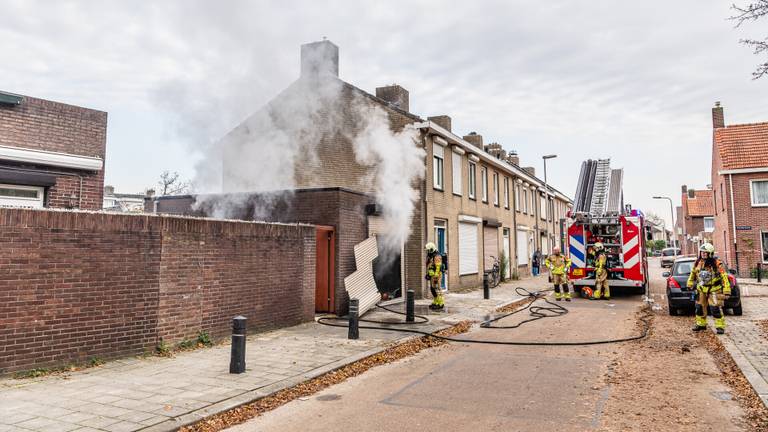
point(324, 271)
point(388, 269)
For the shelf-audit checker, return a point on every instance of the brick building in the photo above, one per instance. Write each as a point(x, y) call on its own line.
point(474, 202)
point(740, 186)
point(696, 219)
point(51, 154)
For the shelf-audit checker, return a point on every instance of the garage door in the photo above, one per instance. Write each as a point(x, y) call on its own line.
point(468, 251)
point(21, 196)
point(490, 246)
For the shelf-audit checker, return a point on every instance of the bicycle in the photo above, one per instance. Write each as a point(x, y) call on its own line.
point(494, 274)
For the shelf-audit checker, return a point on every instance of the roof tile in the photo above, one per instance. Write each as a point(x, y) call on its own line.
point(743, 146)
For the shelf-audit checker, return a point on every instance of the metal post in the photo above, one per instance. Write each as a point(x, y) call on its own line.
point(759, 272)
point(237, 358)
point(354, 319)
point(409, 306)
point(486, 287)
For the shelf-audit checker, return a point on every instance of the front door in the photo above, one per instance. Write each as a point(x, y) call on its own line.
point(506, 254)
point(442, 247)
point(324, 271)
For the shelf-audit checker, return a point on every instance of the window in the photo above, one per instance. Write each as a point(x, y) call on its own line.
point(506, 192)
point(533, 202)
point(472, 179)
point(518, 203)
point(484, 183)
point(456, 172)
point(21, 196)
point(437, 167)
point(543, 208)
point(764, 241)
point(525, 201)
point(496, 189)
point(759, 192)
point(468, 248)
point(709, 224)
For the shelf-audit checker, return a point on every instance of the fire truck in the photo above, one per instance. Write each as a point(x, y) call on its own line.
point(599, 215)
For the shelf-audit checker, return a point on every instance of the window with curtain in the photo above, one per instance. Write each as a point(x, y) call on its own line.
point(506, 192)
point(438, 168)
point(496, 189)
point(759, 192)
point(709, 224)
point(456, 172)
point(472, 179)
point(484, 183)
point(525, 201)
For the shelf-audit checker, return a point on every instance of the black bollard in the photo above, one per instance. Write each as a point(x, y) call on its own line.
point(486, 287)
point(759, 272)
point(354, 308)
point(237, 359)
point(409, 306)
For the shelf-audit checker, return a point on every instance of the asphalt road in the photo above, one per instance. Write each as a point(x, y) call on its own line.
point(461, 387)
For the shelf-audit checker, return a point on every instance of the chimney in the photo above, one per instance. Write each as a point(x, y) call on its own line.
point(513, 158)
point(474, 139)
point(691, 193)
point(109, 190)
point(319, 58)
point(684, 189)
point(495, 150)
point(395, 95)
point(149, 201)
point(442, 120)
point(718, 118)
point(530, 170)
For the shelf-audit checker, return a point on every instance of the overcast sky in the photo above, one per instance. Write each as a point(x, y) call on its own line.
point(633, 81)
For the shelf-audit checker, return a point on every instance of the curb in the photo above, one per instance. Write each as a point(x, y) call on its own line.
point(175, 423)
point(758, 383)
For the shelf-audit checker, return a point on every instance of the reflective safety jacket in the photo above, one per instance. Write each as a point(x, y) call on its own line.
point(435, 266)
point(719, 280)
point(558, 264)
point(600, 272)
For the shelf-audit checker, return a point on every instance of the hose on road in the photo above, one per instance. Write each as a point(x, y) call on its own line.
point(537, 312)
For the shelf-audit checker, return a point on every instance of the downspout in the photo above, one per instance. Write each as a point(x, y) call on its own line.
point(733, 221)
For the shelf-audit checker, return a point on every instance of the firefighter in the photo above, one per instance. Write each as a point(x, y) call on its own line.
point(712, 287)
point(435, 270)
point(558, 266)
point(602, 290)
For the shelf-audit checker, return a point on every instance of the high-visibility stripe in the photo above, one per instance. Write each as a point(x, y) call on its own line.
point(577, 251)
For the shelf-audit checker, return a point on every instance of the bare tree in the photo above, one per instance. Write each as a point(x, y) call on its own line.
point(753, 12)
point(171, 184)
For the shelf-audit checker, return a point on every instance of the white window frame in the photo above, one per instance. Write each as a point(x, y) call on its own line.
point(763, 246)
point(484, 183)
point(525, 200)
point(517, 203)
point(496, 189)
point(712, 218)
point(456, 173)
point(752, 192)
point(438, 167)
point(543, 203)
point(40, 198)
point(472, 174)
point(506, 192)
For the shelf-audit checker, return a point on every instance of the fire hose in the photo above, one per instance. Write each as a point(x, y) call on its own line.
point(536, 312)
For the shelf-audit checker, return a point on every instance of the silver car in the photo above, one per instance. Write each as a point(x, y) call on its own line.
point(668, 256)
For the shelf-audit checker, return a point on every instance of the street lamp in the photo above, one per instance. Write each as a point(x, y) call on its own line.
point(547, 213)
point(674, 228)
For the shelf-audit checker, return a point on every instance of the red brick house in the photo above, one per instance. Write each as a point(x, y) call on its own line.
point(740, 186)
point(697, 219)
point(51, 154)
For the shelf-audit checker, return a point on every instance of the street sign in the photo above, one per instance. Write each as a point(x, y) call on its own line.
point(743, 228)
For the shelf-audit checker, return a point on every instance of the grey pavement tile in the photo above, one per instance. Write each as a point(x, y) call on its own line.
point(123, 426)
point(136, 416)
point(99, 422)
point(171, 411)
point(130, 404)
point(87, 429)
point(153, 420)
point(37, 423)
point(77, 417)
point(15, 417)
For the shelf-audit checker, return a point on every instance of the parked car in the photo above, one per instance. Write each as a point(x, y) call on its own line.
point(657, 253)
point(668, 256)
point(681, 298)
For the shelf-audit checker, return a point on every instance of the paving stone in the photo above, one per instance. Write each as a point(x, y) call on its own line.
point(99, 422)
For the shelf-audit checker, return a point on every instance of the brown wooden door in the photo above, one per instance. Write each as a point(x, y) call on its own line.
point(324, 273)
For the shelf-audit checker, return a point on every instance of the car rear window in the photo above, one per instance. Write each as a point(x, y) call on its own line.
point(683, 268)
point(668, 252)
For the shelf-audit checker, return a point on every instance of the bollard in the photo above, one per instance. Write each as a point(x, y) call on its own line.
point(759, 272)
point(354, 308)
point(237, 358)
point(409, 306)
point(486, 287)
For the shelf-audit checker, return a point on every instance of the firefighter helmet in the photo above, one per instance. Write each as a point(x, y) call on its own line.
point(599, 246)
point(708, 248)
point(586, 292)
point(430, 247)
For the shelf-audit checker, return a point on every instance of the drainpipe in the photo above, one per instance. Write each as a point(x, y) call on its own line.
point(733, 221)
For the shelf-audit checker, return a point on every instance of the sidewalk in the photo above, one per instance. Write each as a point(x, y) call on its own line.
point(747, 344)
point(162, 394)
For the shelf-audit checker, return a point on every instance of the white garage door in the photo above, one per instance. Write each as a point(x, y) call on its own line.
point(21, 196)
point(467, 248)
point(522, 247)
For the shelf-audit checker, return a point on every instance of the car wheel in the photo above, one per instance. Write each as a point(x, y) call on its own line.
point(672, 310)
point(737, 310)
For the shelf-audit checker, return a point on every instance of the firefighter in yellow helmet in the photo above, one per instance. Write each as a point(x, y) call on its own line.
point(602, 290)
point(435, 270)
point(558, 266)
point(712, 287)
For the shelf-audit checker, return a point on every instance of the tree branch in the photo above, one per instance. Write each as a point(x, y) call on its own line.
point(759, 47)
point(751, 12)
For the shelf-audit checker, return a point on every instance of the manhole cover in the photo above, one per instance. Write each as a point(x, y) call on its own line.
point(722, 395)
point(330, 397)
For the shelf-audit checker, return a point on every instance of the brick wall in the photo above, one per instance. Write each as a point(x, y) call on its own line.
point(78, 285)
point(52, 126)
